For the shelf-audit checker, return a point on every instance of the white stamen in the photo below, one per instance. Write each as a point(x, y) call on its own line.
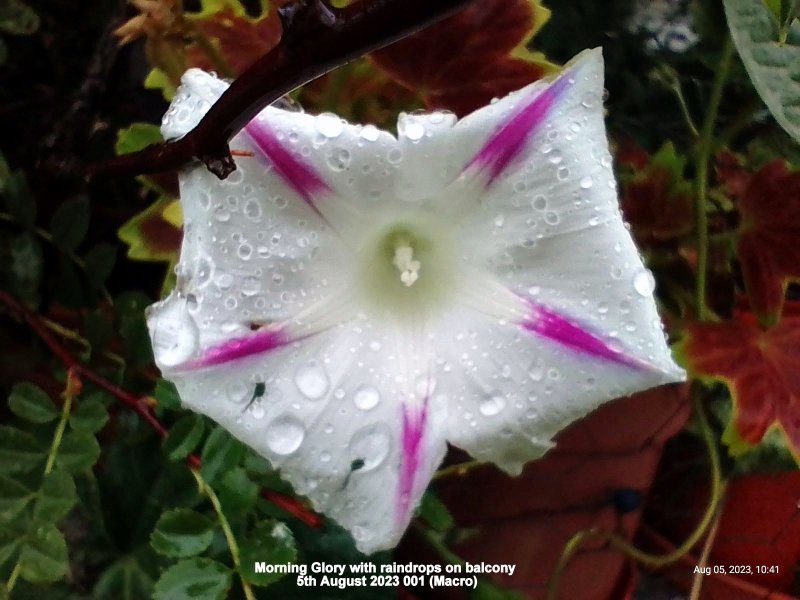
point(405, 263)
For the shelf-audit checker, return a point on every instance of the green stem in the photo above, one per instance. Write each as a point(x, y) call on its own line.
point(677, 89)
point(704, 150)
point(623, 545)
point(233, 546)
point(12, 580)
point(435, 541)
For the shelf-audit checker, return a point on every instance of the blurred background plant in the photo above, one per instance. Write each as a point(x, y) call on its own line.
point(109, 490)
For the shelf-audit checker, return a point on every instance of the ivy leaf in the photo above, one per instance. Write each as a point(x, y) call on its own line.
point(184, 436)
point(14, 497)
point(29, 402)
point(770, 61)
point(221, 453)
point(124, 580)
point(78, 452)
point(760, 368)
point(194, 579)
point(90, 416)
point(70, 223)
point(137, 137)
point(270, 542)
point(154, 234)
point(767, 245)
point(43, 557)
point(466, 60)
point(181, 533)
point(56, 497)
point(19, 451)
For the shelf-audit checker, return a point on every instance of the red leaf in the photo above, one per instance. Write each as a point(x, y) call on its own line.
point(472, 57)
point(762, 369)
point(657, 200)
point(768, 246)
point(239, 38)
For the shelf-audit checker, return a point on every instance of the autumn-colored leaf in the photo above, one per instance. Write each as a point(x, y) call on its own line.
point(239, 38)
point(480, 53)
point(155, 233)
point(768, 246)
point(762, 369)
point(360, 93)
point(656, 200)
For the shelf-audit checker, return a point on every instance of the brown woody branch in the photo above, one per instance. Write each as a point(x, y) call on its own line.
point(316, 39)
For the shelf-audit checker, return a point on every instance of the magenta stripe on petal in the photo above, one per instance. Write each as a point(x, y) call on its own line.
point(509, 141)
point(259, 342)
point(297, 174)
point(414, 419)
point(553, 326)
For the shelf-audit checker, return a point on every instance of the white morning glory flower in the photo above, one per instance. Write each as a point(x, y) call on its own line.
point(349, 301)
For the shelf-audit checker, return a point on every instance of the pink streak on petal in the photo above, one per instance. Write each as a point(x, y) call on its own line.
point(553, 326)
point(509, 141)
point(259, 342)
point(414, 419)
point(297, 174)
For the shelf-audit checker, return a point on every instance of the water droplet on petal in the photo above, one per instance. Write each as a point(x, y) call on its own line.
point(175, 334)
point(586, 182)
point(539, 203)
point(329, 125)
point(312, 381)
point(370, 133)
point(284, 435)
point(644, 283)
point(492, 406)
point(394, 156)
point(251, 285)
point(371, 445)
point(339, 159)
point(366, 397)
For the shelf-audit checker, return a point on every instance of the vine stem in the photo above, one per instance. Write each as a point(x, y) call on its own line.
point(640, 556)
point(459, 469)
point(142, 405)
point(233, 545)
point(317, 38)
point(704, 150)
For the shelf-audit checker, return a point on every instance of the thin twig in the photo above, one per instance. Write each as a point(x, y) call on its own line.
point(697, 584)
point(316, 39)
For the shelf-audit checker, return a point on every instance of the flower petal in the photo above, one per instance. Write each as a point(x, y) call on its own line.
point(354, 432)
point(510, 390)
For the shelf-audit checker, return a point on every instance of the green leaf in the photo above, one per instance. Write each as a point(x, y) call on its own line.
point(237, 493)
point(435, 512)
point(70, 223)
point(18, 198)
point(181, 533)
point(56, 497)
point(27, 262)
point(270, 542)
point(221, 453)
point(78, 452)
point(129, 311)
point(184, 436)
point(99, 263)
point(167, 395)
point(124, 580)
point(194, 579)
point(136, 137)
point(97, 328)
point(19, 451)
point(14, 497)
point(29, 402)
point(10, 541)
point(772, 65)
point(17, 18)
point(90, 416)
point(43, 557)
